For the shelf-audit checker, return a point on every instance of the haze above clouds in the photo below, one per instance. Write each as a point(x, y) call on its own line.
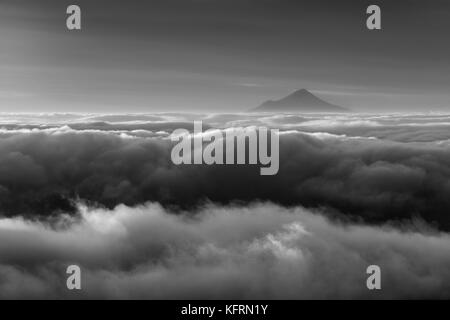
point(222, 56)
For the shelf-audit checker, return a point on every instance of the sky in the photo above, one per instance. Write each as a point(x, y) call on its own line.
point(222, 55)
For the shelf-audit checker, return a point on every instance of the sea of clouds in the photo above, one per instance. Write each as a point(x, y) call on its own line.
point(100, 191)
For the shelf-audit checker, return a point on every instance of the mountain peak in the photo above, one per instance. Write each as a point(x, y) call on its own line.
point(301, 93)
point(299, 101)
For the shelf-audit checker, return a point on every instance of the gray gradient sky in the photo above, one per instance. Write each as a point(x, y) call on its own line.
point(222, 55)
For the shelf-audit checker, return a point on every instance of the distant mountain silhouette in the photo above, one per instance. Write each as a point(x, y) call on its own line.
point(299, 101)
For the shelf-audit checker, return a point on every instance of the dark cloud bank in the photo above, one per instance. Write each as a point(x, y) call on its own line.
point(108, 198)
point(42, 172)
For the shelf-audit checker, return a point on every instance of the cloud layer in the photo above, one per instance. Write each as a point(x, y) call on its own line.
point(257, 251)
point(101, 192)
point(45, 169)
